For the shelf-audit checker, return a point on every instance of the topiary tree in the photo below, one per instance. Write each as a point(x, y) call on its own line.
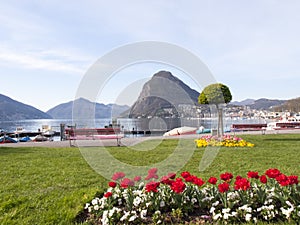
point(217, 94)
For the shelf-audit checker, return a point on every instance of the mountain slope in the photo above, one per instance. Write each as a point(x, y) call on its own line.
point(291, 105)
point(86, 107)
point(243, 103)
point(13, 110)
point(161, 95)
point(265, 104)
point(259, 104)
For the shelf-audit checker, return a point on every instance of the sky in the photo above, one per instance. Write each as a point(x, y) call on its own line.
point(47, 47)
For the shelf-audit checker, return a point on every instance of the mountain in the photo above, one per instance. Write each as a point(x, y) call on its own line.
point(259, 104)
point(162, 95)
point(266, 104)
point(291, 105)
point(13, 110)
point(86, 108)
point(243, 103)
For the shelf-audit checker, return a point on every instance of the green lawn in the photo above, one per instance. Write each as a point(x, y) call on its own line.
point(51, 185)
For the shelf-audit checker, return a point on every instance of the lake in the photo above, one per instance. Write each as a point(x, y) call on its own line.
point(126, 124)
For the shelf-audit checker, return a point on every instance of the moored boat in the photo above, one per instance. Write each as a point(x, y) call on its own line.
point(40, 138)
point(7, 139)
point(180, 131)
point(25, 139)
point(287, 125)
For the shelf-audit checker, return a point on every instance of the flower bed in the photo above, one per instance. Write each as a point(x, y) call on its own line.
point(272, 196)
point(226, 141)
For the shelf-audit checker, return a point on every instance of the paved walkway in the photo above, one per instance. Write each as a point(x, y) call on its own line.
point(127, 141)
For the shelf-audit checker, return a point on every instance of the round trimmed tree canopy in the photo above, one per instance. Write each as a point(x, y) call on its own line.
point(215, 94)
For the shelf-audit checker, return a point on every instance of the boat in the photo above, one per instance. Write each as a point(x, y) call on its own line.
point(286, 124)
point(40, 138)
point(7, 139)
point(25, 139)
point(47, 131)
point(180, 131)
point(202, 130)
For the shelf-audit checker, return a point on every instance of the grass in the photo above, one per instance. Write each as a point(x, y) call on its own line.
point(51, 185)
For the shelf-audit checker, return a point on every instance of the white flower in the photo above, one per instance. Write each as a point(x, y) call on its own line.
point(104, 219)
point(120, 201)
point(144, 214)
point(290, 204)
point(212, 210)
point(248, 217)
point(207, 199)
point(124, 217)
point(226, 216)
point(194, 200)
point(141, 185)
point(215, 203)
point(255, 220)
point(232, 195)
point(96, 207)
point(87, 205)
point(286, 212)
point(110, 189)
point(217, 216)
point(162, 204)
point(125, 194)
point(137, 200)
point(157, 212)
point(95, 201)
point(225, 210)
point(246, 208)
point(137, 192)
point(112, 211)
point(132, 218)
point(234, 214)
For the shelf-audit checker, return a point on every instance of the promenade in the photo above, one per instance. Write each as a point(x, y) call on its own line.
point(129, 141)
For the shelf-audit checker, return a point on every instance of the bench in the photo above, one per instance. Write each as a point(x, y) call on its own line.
point(73, 133)
point(249, 127)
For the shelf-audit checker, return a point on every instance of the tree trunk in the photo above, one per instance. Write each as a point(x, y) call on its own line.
point(220, 129)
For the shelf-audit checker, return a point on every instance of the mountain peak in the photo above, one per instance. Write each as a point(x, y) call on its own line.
point(163, 91)
point(165, 74)
point(85, 109)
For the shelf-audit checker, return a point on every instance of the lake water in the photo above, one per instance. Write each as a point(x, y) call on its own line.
point(126, 124)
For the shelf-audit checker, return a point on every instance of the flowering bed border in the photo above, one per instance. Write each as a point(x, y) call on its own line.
point(225, 141)
point(272, 196)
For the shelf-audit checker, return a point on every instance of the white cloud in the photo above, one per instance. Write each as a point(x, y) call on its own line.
point(52, 60)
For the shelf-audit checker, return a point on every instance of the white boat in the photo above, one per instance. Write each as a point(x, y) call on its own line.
point(47, 130)
point(40, 138)
point(288, 124)
point(180, 131)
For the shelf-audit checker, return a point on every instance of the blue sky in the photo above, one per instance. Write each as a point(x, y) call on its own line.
point(46, 47)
